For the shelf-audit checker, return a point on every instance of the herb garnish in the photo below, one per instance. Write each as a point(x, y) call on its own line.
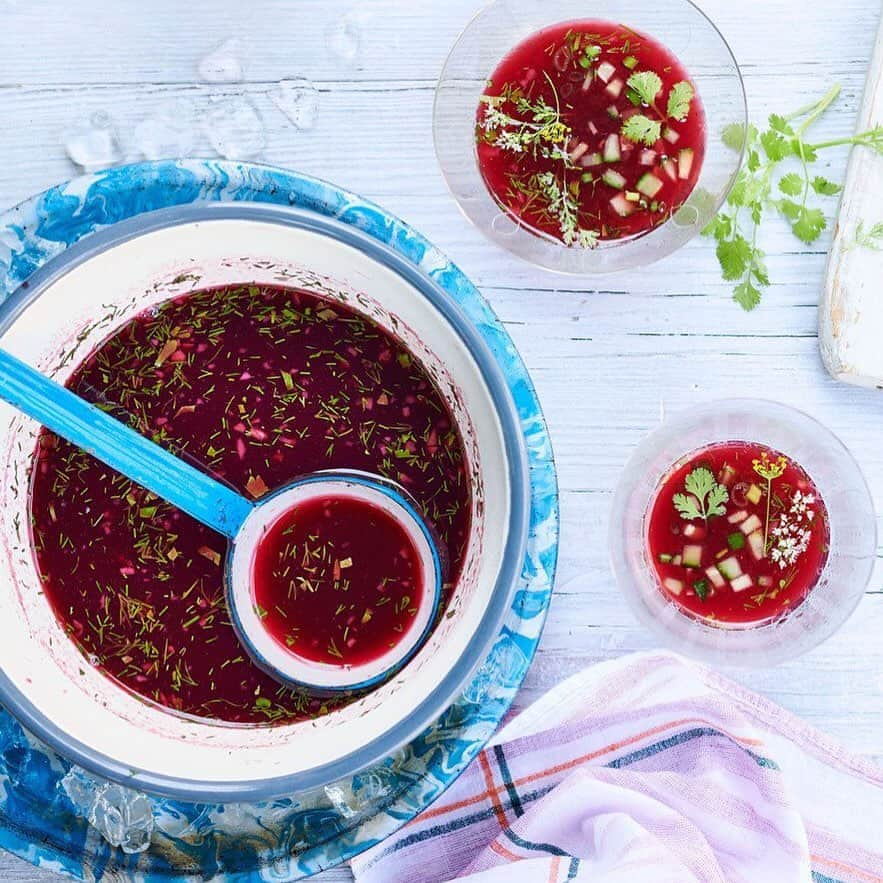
point(757, 192)
point(769, 470)
point(641, 129)
point(704, 498)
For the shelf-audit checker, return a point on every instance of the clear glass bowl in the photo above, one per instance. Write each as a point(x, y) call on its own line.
point(494, 32)
point(841, 485)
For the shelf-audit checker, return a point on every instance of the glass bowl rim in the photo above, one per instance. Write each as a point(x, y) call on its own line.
point(552, 242)
point(626, 576)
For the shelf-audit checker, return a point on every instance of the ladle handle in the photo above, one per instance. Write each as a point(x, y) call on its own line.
point(120, 447)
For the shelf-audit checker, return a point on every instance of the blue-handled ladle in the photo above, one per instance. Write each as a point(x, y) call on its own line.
point(242, 521)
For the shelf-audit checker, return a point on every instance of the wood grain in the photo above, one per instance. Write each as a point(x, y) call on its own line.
point(608, 356)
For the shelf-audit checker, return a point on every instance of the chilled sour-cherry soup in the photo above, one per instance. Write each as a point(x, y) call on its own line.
point(257, 385)
point(737, 533)
point(589, 131)
point(337, 578)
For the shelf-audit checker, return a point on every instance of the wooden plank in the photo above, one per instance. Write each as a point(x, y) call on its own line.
point(851, 311)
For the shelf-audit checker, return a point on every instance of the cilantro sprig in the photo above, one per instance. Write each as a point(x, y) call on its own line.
point(641, 129)
point(763, 188)
point(644, 87)
point(704, 497)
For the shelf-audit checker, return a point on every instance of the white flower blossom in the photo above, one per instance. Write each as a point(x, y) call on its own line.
point(791, 536)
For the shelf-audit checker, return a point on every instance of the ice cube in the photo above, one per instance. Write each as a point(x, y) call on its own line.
point(80, 788)
point(298, 99)
point(235, 128)
point(343, 799)
point(93, 145)
point(169, 133)
point(222, 64)
point(122, 816)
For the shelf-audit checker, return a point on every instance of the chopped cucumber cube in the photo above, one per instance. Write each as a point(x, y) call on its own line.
point(736, 540)
point(670, 135)
point(605, 71)
point(727, 474)
point(613, 179)
point(675, 586)
point(648, 157)
point(664, 559)
point(670, 169)
point(730, 568)
point(612, 152)
point(614, 88)
point(765, 581)
point(685, 163)
point(737, 517)
point(753, 494)
point(621, 204)
point(692, 556)
point(715, 576)
point(741, 583)
point(591, 159)
point(676, 561)
point(649, 185)
point(632, 196)
point(612, 112)
point(630, 62)
point(750, 524)
point(755, 541)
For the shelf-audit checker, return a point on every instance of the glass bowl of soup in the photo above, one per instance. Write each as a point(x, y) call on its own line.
point(590, 141)
point(743, 532)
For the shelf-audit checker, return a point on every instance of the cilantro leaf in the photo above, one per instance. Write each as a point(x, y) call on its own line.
point(717, 496)
point(641, 129)
point(646, 84)
point(746, 295)
point(699, 482)
point(733, 136)
point(792, 184)
point(687, 506)
point(780, 124)
point(789, 209)
point(704, 497)
point(809, 224)
point(734, 256)
point(775, 146)
point(824, 187)
point(679, 99)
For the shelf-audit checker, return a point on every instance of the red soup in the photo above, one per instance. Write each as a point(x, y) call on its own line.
point(738, 533)
point(589, 131)
point(338, 580)
point(257, 385)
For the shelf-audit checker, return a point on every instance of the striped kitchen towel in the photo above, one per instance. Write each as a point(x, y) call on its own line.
point(648, 769)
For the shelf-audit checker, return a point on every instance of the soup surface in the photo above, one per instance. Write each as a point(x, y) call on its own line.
point(738, 533)
point(338, 580)
point(589, 131)
point(257, 385)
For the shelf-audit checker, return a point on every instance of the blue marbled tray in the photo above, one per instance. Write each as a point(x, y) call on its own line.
point(286, 839)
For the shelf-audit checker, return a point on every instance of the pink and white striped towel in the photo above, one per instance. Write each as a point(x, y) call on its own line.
point(648, 769)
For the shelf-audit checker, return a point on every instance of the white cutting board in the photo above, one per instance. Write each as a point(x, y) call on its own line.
point(851, 309)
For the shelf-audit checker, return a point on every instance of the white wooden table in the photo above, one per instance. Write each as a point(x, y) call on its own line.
point(608, 357)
